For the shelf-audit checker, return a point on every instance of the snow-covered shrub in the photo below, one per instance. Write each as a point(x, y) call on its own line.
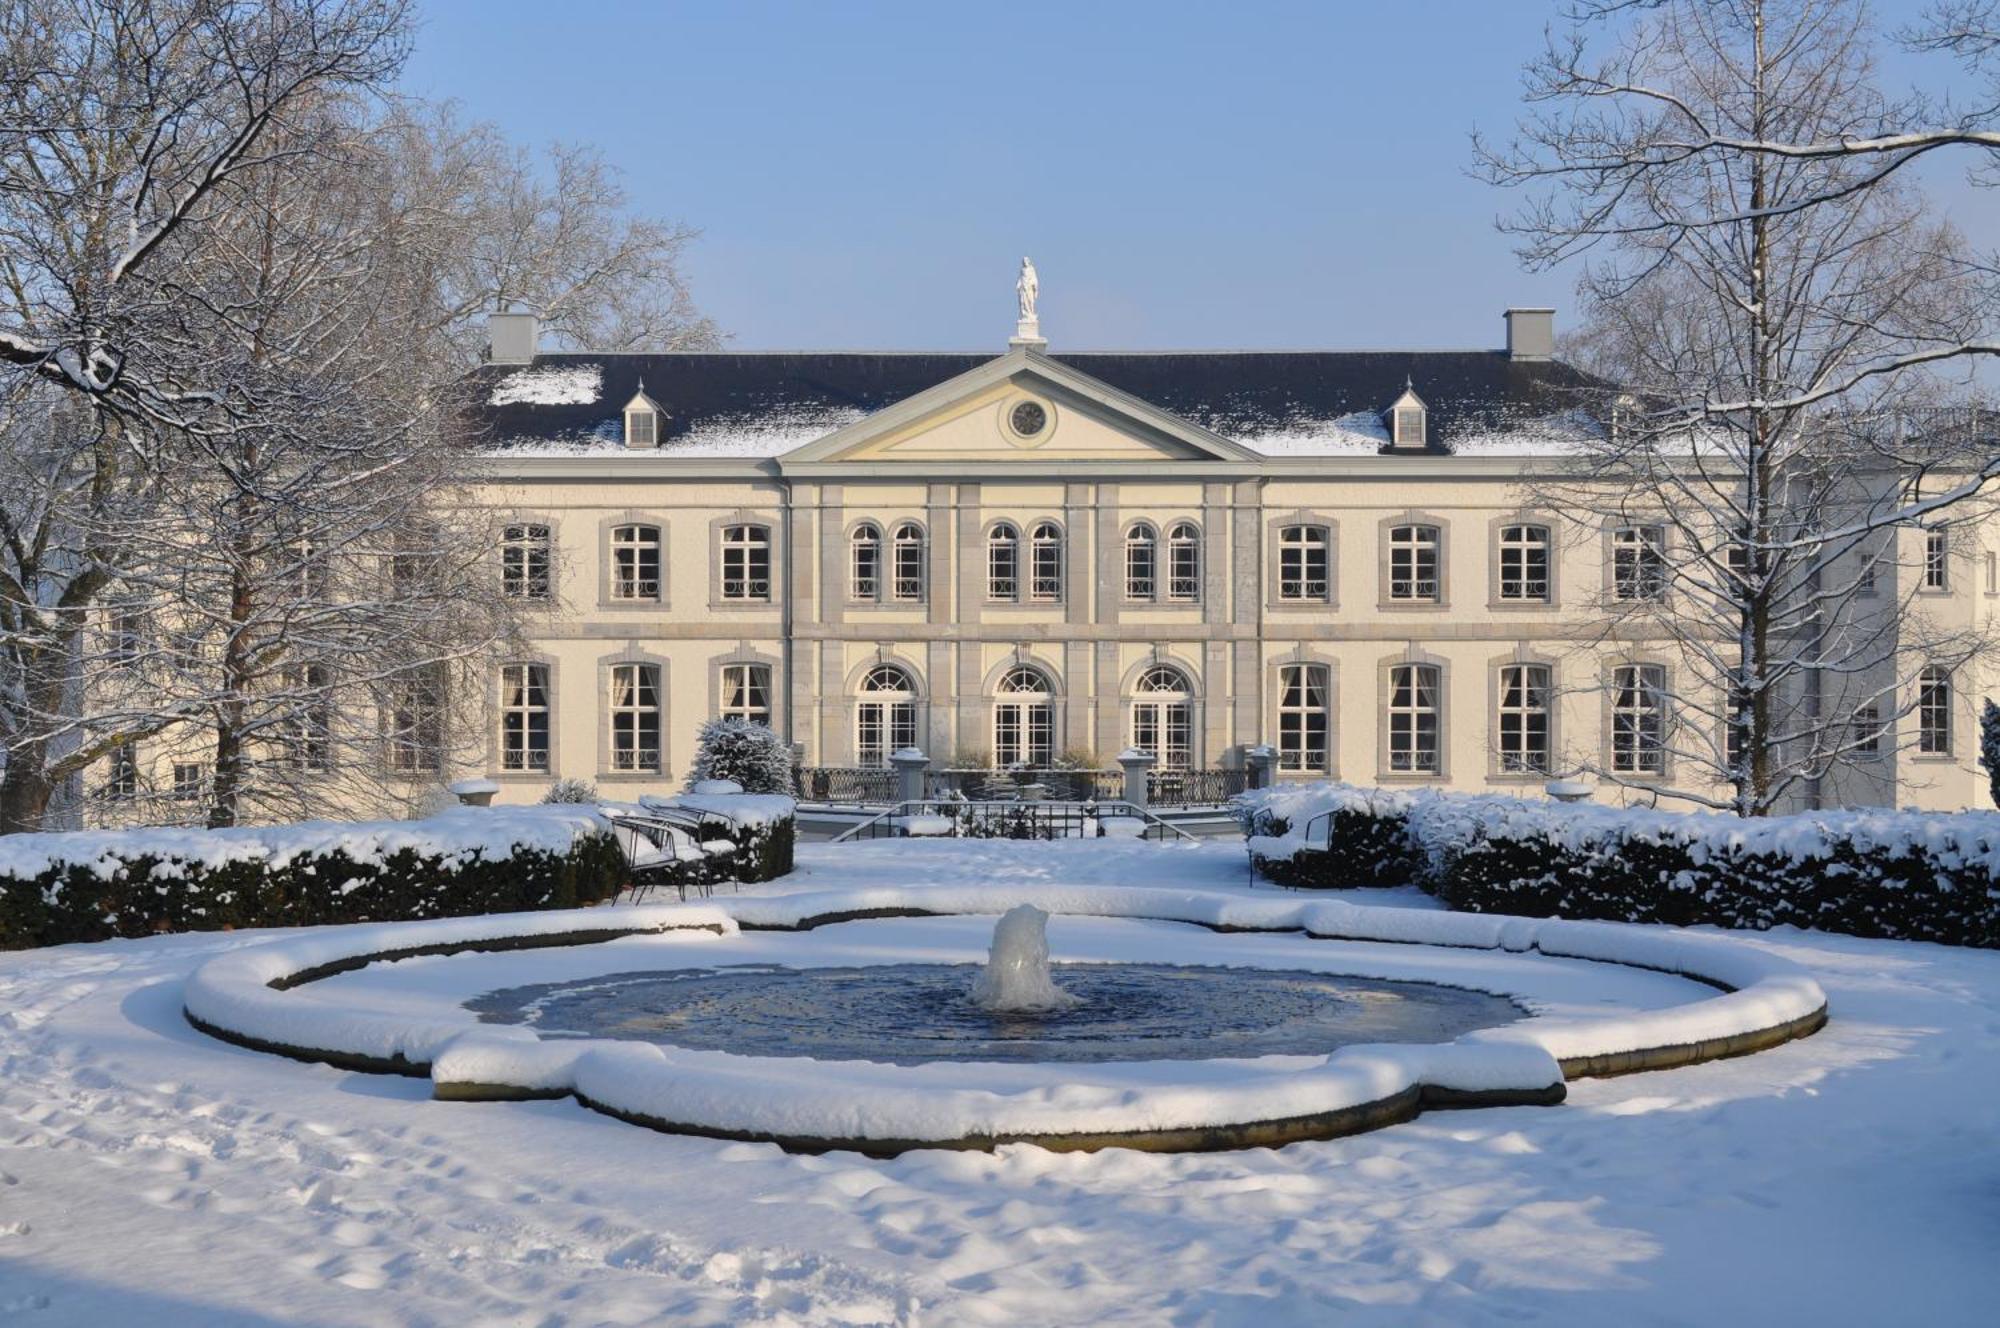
point(90, 886)
point(749, 754)
point(570, 790)
point(1989, 748)
point(1932, 876)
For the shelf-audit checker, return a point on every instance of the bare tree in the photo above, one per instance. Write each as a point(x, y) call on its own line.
point(1762, 475)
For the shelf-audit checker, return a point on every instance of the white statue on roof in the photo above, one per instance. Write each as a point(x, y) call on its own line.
point(1027, 288)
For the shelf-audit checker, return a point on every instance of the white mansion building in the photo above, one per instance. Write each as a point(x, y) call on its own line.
point(1007, 557)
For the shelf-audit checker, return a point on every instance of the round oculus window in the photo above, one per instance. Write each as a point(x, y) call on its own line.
point(1028, 419)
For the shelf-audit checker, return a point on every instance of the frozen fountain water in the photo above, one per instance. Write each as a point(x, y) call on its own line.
point(1016, 977)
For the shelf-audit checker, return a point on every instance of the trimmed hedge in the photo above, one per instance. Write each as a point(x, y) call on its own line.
point(1892, 875)
point(147, 891)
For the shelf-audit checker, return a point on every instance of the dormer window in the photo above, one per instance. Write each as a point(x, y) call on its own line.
point(1407, 425)
point(642, 421)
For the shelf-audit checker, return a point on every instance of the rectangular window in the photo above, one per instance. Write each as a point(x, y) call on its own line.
point(1639, 719)
point(190, 781)
point(1864, 581)
point(866, 578)
point(1302, 718)
point(746, 693)
point(1302, 563)
point(1524, 564)
point(416, 720)
point(635, 717)
point(1024, 734)
point(1413, 563)
point(746, 563)
point(1409, 426)
point(1639, 563)
point(1865, 733)
point(641, 428)
point(306, 736)
point(1937, 559)
point(1524, 720)
point(524, 562)
point(882, 727)
point(524, 717)
point(635, 562)
point(121, 783)
point(1413, 719)
point(1934, 711)
point(125, 640)
point(1003, 564)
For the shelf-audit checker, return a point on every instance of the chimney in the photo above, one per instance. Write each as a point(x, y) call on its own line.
point(1531, 334)
point(512, 338)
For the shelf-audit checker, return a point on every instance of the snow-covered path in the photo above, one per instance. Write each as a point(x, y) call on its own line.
point(150, 1175)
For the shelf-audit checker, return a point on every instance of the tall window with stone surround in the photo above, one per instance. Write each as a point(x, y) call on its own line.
point(1045, 549)
point(1934, 711)
point(746, 693)
point(907, 562)
point(1639, 563)
point(746, 562)
point(885, 717)
point(1639, 719)
point(1523, 722)
point(524, 717)
point(1414, 572)
point(1303, 560)
point(1414, 719)
point(635, 562)
point(1024, 719)
point(1524, 564)
point(1184, 562)
point(1163, 717)
point(524, 561)
point(1142, 562)
point(635, 717)
point(1303, 717)
point(865, 562)
point(1003, 563)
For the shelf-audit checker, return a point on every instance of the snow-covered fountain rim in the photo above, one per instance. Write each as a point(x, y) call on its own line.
point(250, 996)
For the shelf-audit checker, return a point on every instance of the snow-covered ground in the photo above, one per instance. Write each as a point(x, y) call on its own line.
point(151, 1175)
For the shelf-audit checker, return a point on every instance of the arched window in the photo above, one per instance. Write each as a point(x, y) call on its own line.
point(907, 546)
point(1413, 719)
point(1045, 544)
point(1163, 718)
point(1003, 562)
point(1142, 562)
point(1184, 561)
point(865, 562)
point(1024, 729)
point(885, 720)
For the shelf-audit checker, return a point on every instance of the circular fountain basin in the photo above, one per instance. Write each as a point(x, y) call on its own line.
point(917, 1014)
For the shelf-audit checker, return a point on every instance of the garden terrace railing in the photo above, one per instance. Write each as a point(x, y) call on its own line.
point(855, 784)
point(1013, 818)
point(1194, 788)
point(1025, 782)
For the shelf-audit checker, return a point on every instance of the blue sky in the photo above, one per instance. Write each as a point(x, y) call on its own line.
point(867, 175)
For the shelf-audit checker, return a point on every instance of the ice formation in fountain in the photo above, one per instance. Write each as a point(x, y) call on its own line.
point(1016, 976)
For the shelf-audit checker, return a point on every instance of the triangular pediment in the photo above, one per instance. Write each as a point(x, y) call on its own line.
point(1020, 407)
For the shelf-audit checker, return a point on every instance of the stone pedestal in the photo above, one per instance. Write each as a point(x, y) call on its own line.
point(474, 792)
point(911, 765)
point(1263, 763)
point(1138, 768)
point(1028, 333)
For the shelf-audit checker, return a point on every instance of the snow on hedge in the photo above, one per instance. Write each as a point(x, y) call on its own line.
point(855, 1100)
point(453, 835)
